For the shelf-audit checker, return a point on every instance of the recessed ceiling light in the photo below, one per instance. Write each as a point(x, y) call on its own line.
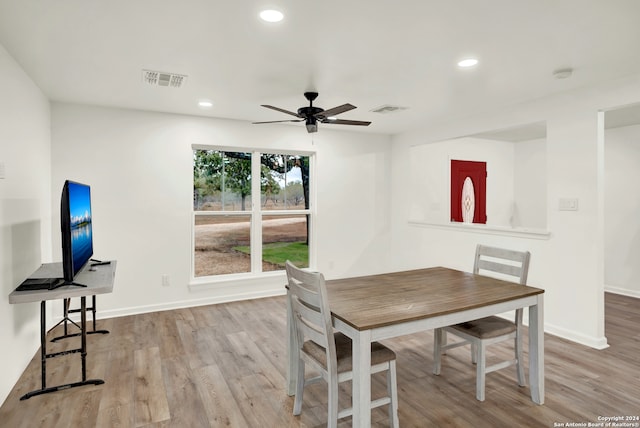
point(271, 15)
point(205, 104)
point(468, 62)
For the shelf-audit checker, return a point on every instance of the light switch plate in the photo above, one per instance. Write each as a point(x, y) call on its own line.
point(568, 204)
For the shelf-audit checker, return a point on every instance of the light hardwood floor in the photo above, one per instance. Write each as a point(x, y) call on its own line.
point(224, 365)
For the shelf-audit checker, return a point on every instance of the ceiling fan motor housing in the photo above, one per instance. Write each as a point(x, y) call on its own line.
point(309, 111)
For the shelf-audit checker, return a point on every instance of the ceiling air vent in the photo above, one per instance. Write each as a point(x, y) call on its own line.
point(159, 78)
point(387, 108)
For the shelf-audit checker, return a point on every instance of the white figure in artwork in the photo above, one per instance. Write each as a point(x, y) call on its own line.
point(468, 201)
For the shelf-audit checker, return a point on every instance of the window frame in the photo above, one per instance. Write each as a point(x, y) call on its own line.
point(255, 215)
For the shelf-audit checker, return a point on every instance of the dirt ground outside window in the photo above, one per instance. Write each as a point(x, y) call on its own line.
point(215, 252)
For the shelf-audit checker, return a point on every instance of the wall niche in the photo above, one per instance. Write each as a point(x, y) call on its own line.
point(516, 189)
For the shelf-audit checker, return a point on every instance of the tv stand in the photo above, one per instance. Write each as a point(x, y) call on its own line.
point(94, 281)
point(62, 284)
point(65, 319)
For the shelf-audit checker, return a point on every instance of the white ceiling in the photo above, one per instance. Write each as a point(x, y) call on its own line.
point(364, 52)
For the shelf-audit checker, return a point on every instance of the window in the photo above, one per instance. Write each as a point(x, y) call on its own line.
point(242, 225)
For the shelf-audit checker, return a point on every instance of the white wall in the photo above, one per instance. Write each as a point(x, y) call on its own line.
point(25, 214)
point(139, 166)
point(567, 264)
point(530, 184)
point(622, 210)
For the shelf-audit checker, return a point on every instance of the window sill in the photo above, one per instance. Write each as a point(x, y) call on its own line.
point(486, 229)
point(267, 280)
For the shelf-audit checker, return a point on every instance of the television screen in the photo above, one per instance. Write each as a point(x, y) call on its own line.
point(77, 235)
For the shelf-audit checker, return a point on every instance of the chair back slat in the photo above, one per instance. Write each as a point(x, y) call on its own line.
point(310, 296)
point(500, 268)
point(500, 253)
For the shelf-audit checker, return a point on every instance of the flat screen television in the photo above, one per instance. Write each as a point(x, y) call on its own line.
point(77, 233)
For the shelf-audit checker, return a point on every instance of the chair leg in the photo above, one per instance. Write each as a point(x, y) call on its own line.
point(519, 361)
point(474, 353)
point(392, 388)
point(332, 411)
point(437, 353)
point(297, 402)
point(481, 359)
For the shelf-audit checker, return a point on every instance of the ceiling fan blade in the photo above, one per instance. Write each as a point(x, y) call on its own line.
point(336, 110)
point(346, 122)
point(278, 121)
point(281, 110)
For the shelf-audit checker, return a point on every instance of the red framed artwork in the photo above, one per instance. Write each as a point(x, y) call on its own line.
point(468, 191)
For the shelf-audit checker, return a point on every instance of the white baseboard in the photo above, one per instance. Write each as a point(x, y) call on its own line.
point(591, 341)
point(212, 300)
point(622, 291)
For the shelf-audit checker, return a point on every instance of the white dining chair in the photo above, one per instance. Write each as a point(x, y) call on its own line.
point(327, 351)
point(507, 264)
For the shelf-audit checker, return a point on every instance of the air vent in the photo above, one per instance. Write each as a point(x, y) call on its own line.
point(387, 108)
point(159, 78)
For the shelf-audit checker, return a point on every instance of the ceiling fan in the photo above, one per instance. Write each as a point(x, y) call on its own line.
point(312, 115)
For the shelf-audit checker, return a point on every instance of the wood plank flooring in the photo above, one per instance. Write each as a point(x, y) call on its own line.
point(224, 366)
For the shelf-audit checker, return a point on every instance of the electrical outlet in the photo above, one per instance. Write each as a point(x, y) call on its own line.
point(165, 280)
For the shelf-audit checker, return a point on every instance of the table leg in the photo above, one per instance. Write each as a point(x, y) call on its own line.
point(43, 344)
point(292, 346)
point(361, 399)
point(83, 345)
point(66, 303)
point(536, 350)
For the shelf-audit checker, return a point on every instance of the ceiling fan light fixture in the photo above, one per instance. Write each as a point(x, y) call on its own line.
point(312, 125)
point(271, 15)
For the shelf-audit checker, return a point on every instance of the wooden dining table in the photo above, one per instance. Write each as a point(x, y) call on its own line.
point(376, 307)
